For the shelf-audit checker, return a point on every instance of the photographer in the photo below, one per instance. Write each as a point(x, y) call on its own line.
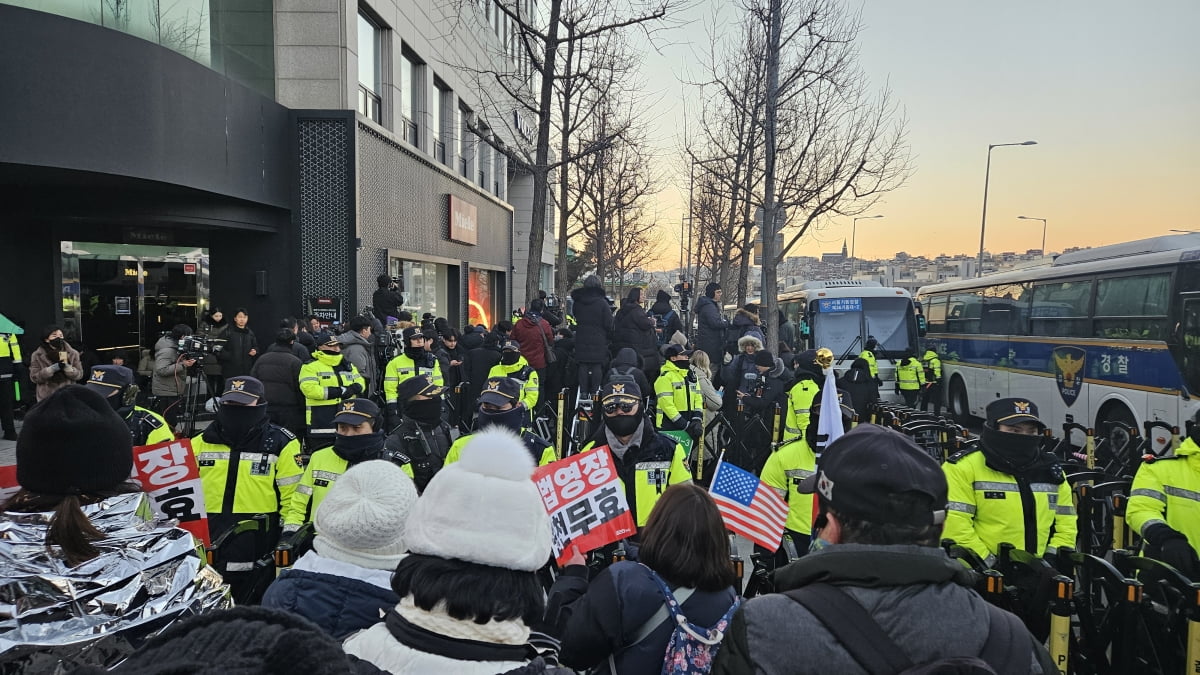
point(386, 299)
point(54, 364)
point(170, 372)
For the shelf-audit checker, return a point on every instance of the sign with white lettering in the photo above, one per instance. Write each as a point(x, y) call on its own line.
point(464, 221)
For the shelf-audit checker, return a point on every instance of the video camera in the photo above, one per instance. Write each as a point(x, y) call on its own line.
point(684, 289)
point(397, 284)
point(197, 347)
point(551, 302)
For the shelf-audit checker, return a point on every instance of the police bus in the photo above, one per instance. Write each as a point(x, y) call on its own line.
point(842, 314)
point(1100, 335)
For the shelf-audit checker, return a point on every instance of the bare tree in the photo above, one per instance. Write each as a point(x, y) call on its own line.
point(544, 44)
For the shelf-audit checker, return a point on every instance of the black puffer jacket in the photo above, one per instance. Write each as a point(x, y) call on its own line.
point(235, 357)
point(595, 325)
point(279, 371)
point(627, 363)
point(634, 329)
point(662, 307)
point(710, 329)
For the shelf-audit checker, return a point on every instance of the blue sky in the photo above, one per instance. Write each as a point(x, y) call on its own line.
point(1109, 90)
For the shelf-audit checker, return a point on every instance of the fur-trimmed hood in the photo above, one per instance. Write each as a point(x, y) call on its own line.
point(749, 339)
point(748, 316)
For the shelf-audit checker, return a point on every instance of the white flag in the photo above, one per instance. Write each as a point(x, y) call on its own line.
point(829, 426)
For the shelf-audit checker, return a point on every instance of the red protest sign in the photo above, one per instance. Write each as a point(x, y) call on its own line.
point(169, 476)
point(8, 482)
point(585, 500)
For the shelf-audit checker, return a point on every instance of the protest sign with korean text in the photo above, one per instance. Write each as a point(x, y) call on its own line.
point(169, 476)
point(586, 501)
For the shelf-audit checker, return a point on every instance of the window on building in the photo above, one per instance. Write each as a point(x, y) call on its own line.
point(500, 174)
point(466, 143)
point(485, 158)
point(438, 120)
point(370, 102)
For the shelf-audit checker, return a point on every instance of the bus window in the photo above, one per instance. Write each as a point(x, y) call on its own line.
point(963, 312)
point(935, 313)
point(1190, 344)
point(1132, 308)
point(1060, 309)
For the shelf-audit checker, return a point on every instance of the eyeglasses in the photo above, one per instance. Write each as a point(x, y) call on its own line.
point(624, 406)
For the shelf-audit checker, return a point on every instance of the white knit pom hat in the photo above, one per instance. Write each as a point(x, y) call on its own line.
point(362, 519)
point(484, 508)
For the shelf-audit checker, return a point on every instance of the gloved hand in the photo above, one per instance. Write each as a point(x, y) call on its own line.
point(695, 428)
point(332, 393)
point(58, 365)
point(391, 417)
point(355, 389)
point(879, 382)
point(1170, 546)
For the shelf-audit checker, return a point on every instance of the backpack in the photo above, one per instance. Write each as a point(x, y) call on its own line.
point(877, 653)
point(662, 323)
point(691, 648)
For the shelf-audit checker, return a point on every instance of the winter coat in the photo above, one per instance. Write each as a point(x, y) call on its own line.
point(712, 399)
point(235, 356)
point(279, 371)
point(594, 321)
point(215, 332)
point(662, 307)
point(628, 363)
point(412, 641)
point(774, 392)
point(563, 373)
point(169, 373)
point(601, 619)
point(452, 375)
point(863, 390)
point(710, 329)
point(787, 333)
point(340, 597)
point(48, 381)
point(634, 329)
point(733, 377)
point(385, 302)
point(478, 364)
point(472, 339)
point(528, 332)
point(913, 592)
point(745, 323)
point(360, 352)
point(151, 570)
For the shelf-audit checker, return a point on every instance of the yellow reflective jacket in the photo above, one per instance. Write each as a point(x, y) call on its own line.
point(539, 448)
point(987, 508)
point(254, 486)
point(869, 356)
point(933, 366)
point(647, 469)
point(320, 381)
point(678, 398)
point(523, 372)
point(401, 368)
point(909, 374)
point(147, 427)
point(1168, 491)
point(783, 471)
point(800, 400)
point(323, 470)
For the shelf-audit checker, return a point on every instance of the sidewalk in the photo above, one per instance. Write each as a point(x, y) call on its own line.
point(8, 450)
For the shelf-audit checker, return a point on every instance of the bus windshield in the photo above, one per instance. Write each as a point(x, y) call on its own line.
point(846, 327)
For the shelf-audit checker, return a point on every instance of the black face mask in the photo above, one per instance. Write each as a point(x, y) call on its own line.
point(514, 419)
point(509, 358)
point(356, 449)
point(417, 354)
point(622, 425)
point(427, 412)
point(238, 422)
point(1009, 452)
point(58, 344)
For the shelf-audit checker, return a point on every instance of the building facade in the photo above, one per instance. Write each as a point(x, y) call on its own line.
point(159, 159)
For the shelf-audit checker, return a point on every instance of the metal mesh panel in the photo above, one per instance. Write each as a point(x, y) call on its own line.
point(326, 208)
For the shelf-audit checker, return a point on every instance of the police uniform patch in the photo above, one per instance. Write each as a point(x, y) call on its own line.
point(994, 495)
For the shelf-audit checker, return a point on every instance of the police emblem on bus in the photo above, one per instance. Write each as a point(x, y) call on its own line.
point(1068, 372)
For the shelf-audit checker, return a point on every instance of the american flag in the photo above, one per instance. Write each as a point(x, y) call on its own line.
point(749, 507)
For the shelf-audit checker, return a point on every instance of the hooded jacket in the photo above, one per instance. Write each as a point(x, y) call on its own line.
point(710, 329)
point(627, 362)
point(279, 371)
point(594, 319)
point(359, 351)
point(529, 333)
point(633, 328)
point(169, 372)
point(340, 597)
point(662, 307)
point(744, 322)
point(863, 390)
point(913, 592)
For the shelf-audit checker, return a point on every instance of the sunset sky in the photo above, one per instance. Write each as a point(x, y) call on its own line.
point(1109, 90)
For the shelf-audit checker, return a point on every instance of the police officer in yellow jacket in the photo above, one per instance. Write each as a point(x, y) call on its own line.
point(647, 461)
point(500, 405)
point(238, 455)
point(932, 391)
point(793, 462)
point(680, 403)
point(1164, 506)
point(1009, 489)
point(910, 378)
point(359, 438)
point(10, 356)
point(803, 394)
point(326, 381)
point(115, 384)
point(513, 365)
point(868, 355)
point(414, 360)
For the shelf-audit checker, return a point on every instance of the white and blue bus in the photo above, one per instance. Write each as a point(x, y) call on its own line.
point(1104, 334)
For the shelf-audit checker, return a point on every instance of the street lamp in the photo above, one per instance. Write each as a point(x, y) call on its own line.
point(983, 221)
point(854, 232)
point(1043, 229)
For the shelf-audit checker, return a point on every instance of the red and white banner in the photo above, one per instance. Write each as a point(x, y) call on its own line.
point(585, 500)
point(169, 476)
point(8, 482)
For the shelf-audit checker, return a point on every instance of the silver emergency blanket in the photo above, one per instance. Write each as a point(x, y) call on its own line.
point(148, 575)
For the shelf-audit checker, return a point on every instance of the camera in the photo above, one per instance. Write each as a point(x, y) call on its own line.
point(197, 347)
point(551, 302)
point(398, 283)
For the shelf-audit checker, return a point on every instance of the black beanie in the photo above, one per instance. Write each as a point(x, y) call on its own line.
point(764, 358)
point(240, 641)
point(72, 443)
